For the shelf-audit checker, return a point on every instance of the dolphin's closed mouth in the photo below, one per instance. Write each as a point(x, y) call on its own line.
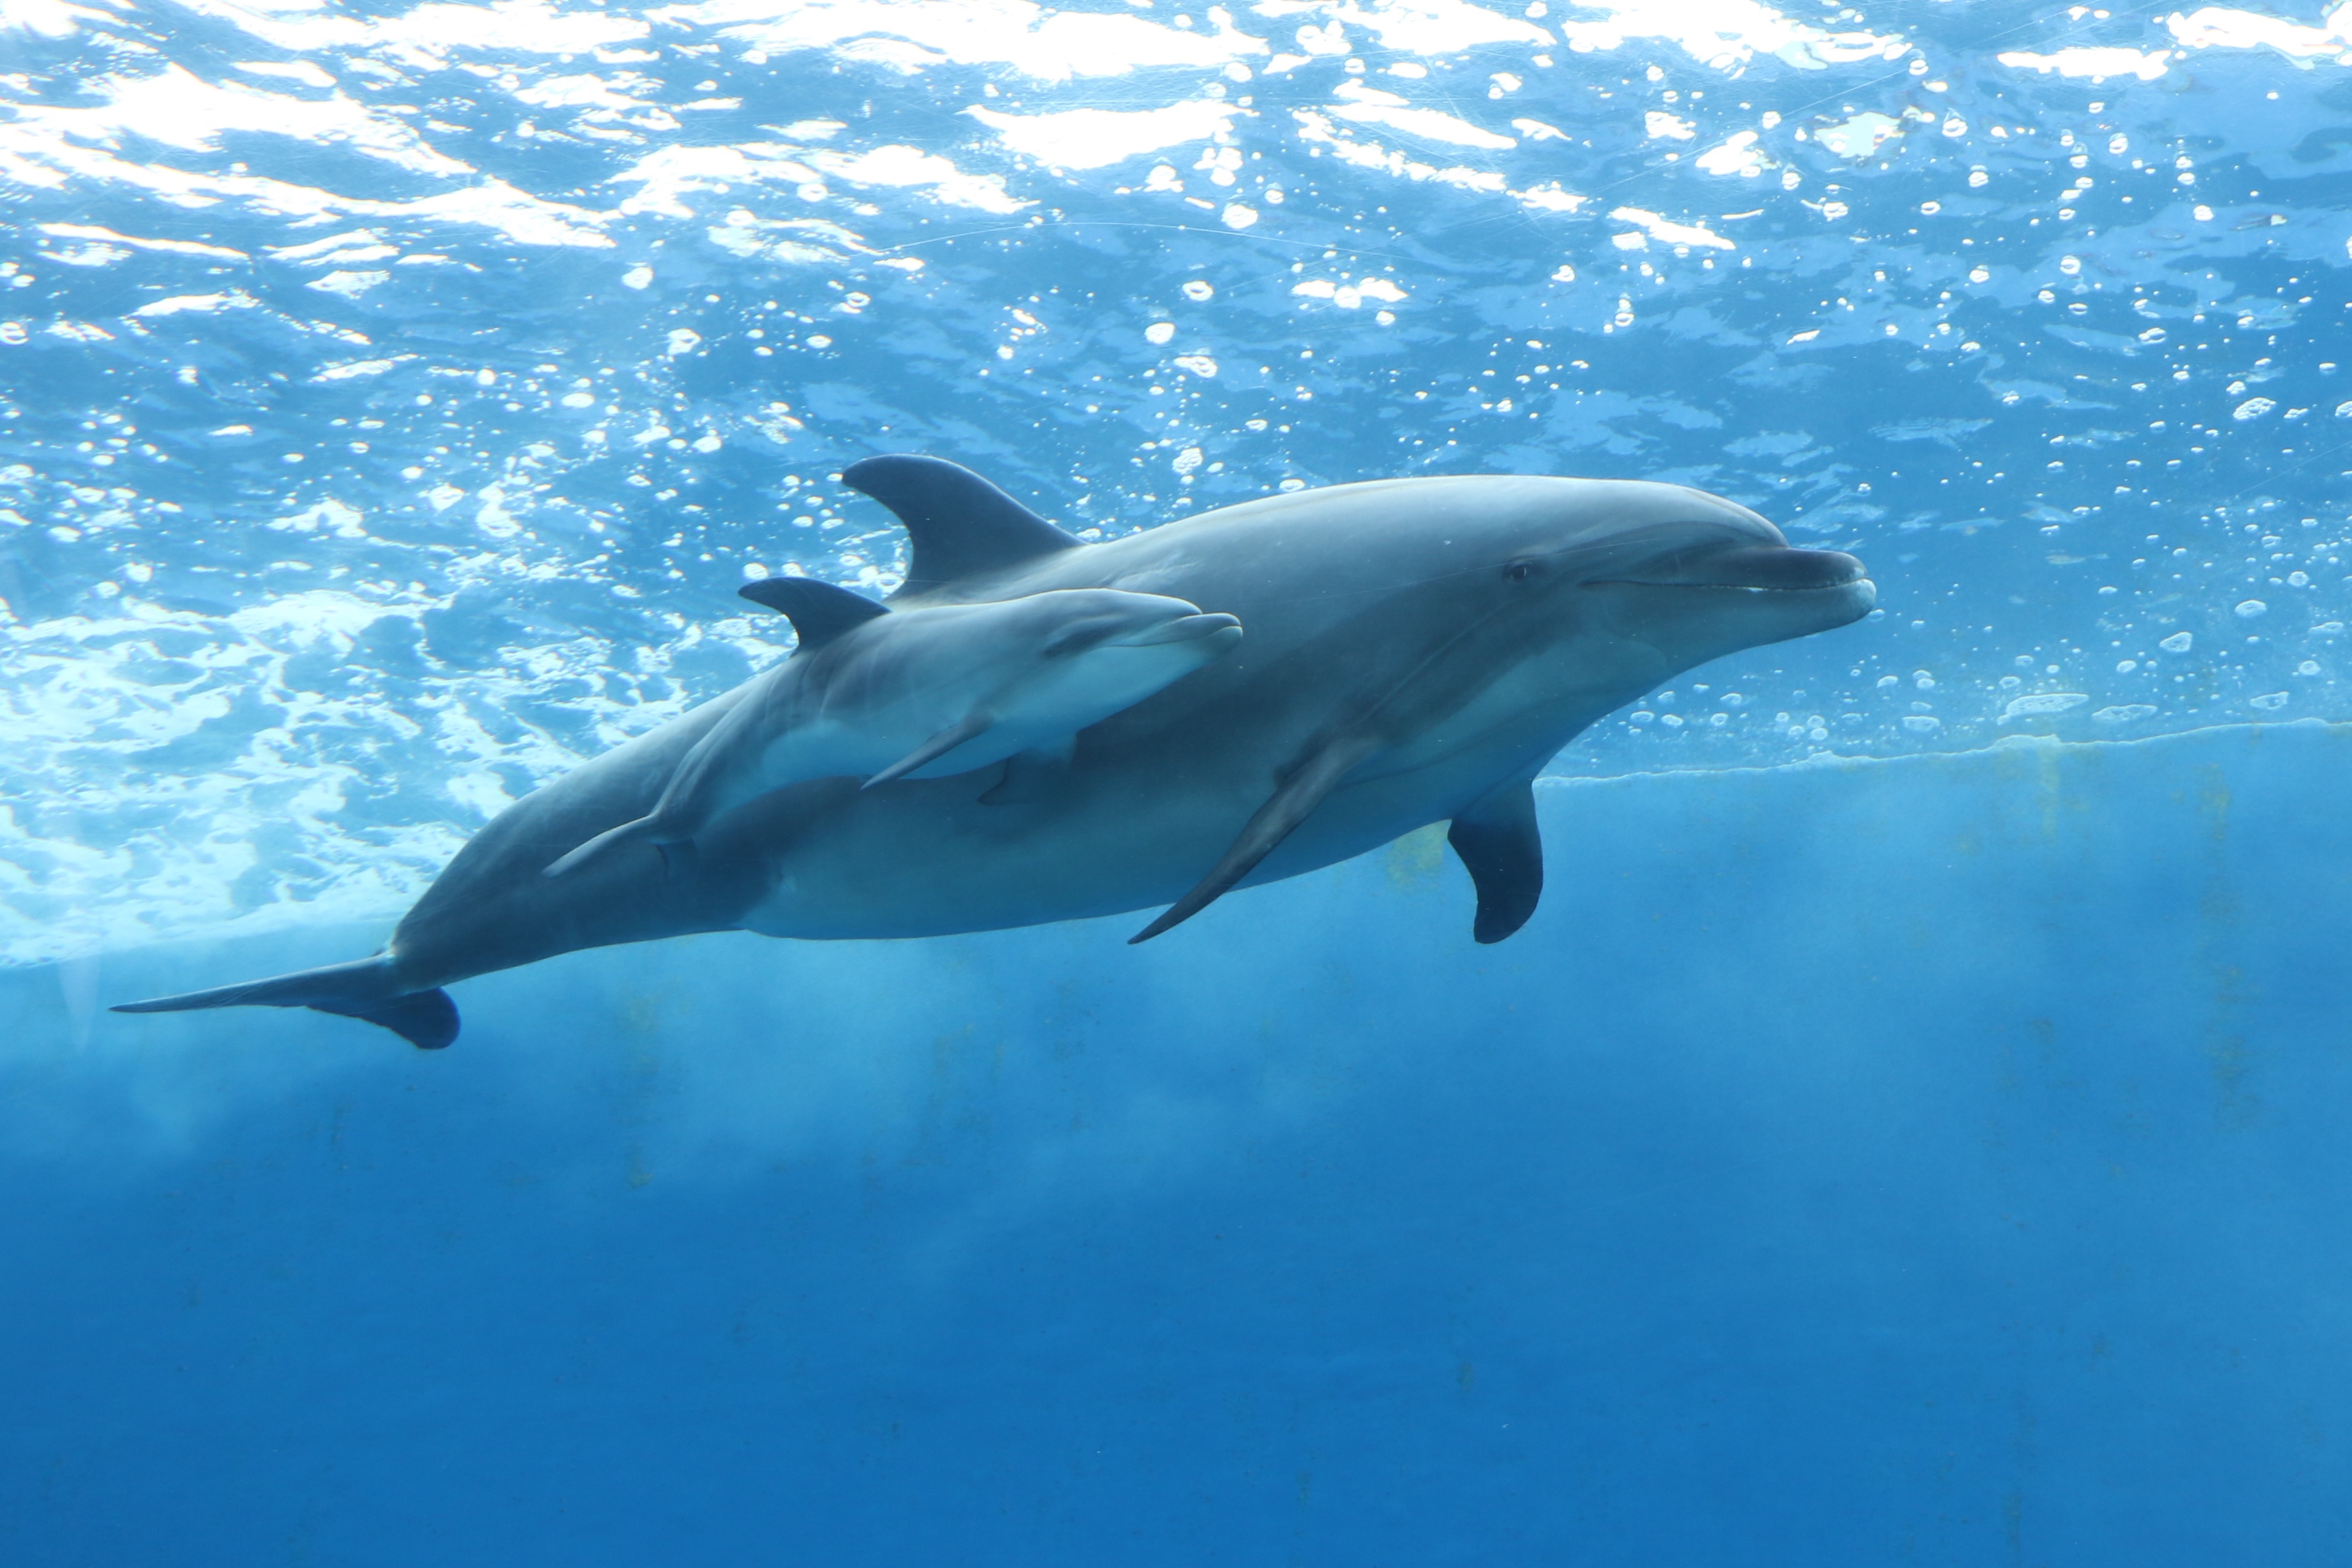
point(1184, 628)
point(1757, 569)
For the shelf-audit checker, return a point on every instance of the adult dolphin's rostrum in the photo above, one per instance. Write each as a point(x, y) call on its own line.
point(1416, 650)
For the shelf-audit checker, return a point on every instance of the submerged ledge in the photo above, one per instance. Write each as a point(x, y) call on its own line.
point(306, 921)
point(2007, 745)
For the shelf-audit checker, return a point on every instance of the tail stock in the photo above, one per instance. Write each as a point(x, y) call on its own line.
point(365, 989)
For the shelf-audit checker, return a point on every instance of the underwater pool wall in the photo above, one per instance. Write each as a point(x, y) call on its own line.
point(1938, 1160)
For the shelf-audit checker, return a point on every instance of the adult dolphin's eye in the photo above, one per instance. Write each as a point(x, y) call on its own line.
point(1519, 571)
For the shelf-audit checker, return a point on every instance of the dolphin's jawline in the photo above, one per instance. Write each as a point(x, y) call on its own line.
point(1727, 587)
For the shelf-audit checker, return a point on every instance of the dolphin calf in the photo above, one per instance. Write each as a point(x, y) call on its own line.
point(1417, 651)
point(922, 693)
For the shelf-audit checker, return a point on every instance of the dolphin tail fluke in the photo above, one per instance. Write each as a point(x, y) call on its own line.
point(1300, 794)
point(366, 989)
point(574, 859)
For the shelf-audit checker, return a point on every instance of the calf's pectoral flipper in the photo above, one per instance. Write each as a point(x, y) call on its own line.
point(820, 614)
point(1299, 793)
point(1502, 848)
point(964, 729)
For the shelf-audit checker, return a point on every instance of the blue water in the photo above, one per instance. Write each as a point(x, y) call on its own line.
point(1937, 1159)
point(1907, 1131)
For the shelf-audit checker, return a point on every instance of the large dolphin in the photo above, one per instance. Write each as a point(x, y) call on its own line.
point(1417, 651)
point(922, 693)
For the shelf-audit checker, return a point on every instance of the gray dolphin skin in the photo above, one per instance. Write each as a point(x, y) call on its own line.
point(1416, 650)
point(923, 693)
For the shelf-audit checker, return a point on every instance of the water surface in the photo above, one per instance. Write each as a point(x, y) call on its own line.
point(391, 397)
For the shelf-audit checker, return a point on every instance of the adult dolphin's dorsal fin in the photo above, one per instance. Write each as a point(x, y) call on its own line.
point(1502, 848)
point(960, 524)
point(819, 611)
point(1316, 776)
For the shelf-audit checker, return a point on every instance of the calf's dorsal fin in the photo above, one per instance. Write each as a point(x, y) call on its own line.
point(959, 523)
point(819, 611)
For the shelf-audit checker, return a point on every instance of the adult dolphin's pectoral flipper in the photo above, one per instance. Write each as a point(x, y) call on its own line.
point(1502, 848)
point(1403, 687)
point(654, 826)
point(1316, 776)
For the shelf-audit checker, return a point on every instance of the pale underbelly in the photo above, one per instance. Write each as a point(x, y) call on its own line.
point(868, 872)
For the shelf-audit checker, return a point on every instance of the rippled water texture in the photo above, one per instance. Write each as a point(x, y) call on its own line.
point(393, 397)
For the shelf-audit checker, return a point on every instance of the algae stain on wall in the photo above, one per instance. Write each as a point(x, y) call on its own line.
point(1413, 860)
point(2214, 800)
point(2220, 918)
point(643, 1013)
